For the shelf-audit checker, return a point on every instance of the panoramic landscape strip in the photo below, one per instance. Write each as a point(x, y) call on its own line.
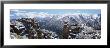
point(55, 23)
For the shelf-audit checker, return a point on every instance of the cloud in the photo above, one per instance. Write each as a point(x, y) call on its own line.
point(14, 10)
point(30, 14)
point(17, 10)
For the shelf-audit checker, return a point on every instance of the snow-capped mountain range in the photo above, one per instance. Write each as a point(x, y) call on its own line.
point(55, 22)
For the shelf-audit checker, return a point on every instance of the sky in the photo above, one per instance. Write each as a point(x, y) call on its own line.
point(30, 13)
point(57, 11)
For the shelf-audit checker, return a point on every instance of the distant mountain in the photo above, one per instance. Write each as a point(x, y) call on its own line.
point(55, 22)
